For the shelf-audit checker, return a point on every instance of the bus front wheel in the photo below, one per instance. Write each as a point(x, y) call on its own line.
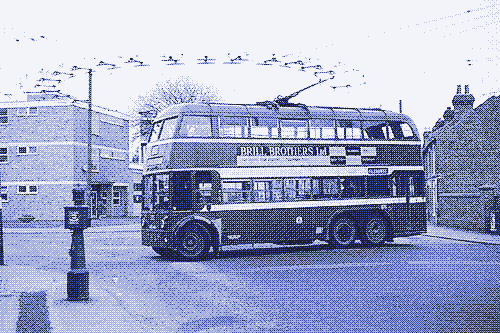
point(193, 241)
point(374, 232)
point(342, 233)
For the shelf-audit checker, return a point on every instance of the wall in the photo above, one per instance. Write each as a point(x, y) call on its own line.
point(460, 211)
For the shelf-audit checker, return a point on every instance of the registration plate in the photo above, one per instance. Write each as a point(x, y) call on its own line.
point(156, 160)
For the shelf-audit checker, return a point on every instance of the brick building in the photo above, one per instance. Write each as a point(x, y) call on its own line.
point(43, 159)
point(462, 163)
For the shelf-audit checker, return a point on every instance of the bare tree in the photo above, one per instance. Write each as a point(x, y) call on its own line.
point(165, 94)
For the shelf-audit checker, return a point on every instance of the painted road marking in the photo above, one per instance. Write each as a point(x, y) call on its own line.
point(297, 267)
point(453, 262)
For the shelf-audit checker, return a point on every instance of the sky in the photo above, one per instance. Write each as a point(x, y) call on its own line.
point(414, 51)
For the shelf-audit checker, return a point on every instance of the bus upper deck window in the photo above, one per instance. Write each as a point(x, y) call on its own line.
point(349, 129)
point(168, 130)
point(322, 128)
point(407, 131)
point(294, 129)
point(155, 132)
point(375, 130)
point(399, 131)
point(196, 126)
point(264, 127)
point(233, 127)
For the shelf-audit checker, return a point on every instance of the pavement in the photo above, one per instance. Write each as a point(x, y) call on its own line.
point(34, 300)
point(462, 235)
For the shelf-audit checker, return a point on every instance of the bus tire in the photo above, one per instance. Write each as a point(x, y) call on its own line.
point(342, 233)
point(165, 252)
point(193, 241)
point(375, 231)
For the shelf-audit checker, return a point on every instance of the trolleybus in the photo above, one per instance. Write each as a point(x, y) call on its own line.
point(228, 174)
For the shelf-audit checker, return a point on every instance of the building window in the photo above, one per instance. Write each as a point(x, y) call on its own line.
point(116, 198)
point(3, 193)
point(3, 155)
point(27, 189)
point(120, 155)
point(3, 116)
point(27, 150)
point(31, 111)
point(106, 153)
point(117, 155)
point(137, 198)
point(138, 187)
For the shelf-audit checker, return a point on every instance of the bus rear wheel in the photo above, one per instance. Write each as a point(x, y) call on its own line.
point(342, 233)
point(375, 232)
point(165, 252)
point(193, 241)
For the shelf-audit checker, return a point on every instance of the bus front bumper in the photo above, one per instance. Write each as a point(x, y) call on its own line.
point(156, 238)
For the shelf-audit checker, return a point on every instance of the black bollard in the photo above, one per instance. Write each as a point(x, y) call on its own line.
point(77, 219)
point(78, 276)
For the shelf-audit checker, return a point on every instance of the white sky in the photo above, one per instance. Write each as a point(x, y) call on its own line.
point(416, 51)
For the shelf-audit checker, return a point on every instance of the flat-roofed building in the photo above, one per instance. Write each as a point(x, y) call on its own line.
point(43, 158)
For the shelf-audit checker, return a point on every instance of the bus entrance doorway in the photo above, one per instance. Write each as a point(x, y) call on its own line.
point(180, 184)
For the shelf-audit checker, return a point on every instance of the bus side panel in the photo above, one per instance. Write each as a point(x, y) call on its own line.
point(295, 225)
point(398, 216)
point(247, 226)
point(418, 217)
point(198, 154)
point(216, 154)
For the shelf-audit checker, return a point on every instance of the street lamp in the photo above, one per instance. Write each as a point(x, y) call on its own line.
point(89, 139)
point(1, 236)
point(78, 218)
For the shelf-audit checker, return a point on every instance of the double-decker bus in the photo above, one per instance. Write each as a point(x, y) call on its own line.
point(228, 174)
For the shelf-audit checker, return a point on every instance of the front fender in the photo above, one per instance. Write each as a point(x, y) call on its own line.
point(214, 226)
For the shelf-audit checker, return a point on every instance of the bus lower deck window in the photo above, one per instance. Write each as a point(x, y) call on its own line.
point(236, 192)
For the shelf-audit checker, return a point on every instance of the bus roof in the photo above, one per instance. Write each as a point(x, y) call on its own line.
point(287, 112)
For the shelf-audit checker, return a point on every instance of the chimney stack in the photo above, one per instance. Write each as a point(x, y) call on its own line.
point(448, 114)
point(462, 104)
